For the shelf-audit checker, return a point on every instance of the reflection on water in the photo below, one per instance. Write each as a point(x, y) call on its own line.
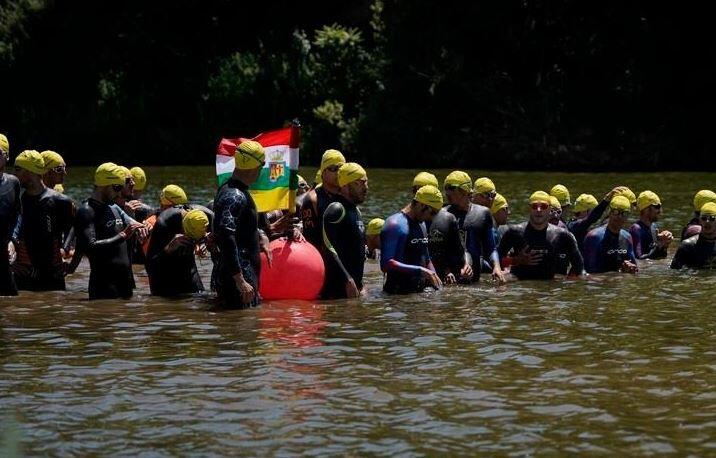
point(612, 364)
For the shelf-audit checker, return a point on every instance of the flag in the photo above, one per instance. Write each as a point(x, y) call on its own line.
point(276, 185)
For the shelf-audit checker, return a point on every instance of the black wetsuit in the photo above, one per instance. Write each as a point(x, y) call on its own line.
point(9, 212)
point(237, 238)
point(477, 236)
point(446, 246)
point(343, 248)
point(176, 273)
point(556, 245)
point(696, 253)
point(98, 228)
point(46, 218)
point(312, 217)
point(580, 227)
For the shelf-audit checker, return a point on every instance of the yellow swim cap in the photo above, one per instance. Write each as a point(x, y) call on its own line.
point(52, 160)
point(125, 171)
point(484, 184)
point(331, 157)
point(31, 161)
point(108, 174)
point(375, 226)
point(459, 179)
point(702, 197)
point(554, 203)
point(498, 204)
point(561, 192)
point(708, 209)
point(424, 179)
point(249, 155)
point(195, 224)
point(4, 144)
point(172, 195)
point(59, 188)
point(647, 198)
point(585, 202)
point(430, 195)
point(626, 192)
point(140, 178)
point(350, 172)
point(540, 196)
point(620, 203)
point(318, 179)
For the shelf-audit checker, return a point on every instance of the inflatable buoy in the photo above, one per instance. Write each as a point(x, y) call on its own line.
point(296, 272)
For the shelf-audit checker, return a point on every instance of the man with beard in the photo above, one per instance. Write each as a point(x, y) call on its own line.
point(344, 235)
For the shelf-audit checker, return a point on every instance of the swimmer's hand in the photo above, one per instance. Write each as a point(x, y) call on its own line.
point(450, 279)
point(498, 275)
point(665, 238)
point(629, 267)
point(432, 278)
point(466, 272)
point(351, 289)
point(614, 192)
point(245, 289)
point(264, 247)
point(527, 258)
point(133, 205)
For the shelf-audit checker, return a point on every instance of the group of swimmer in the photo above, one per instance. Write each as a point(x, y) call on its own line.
point(443, 235)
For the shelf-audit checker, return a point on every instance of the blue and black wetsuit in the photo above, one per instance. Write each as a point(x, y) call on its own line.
point(46, 218)
point(9, 212)
point(644, 239)
point(605, 251)
point(312, 208)
point(343, 248)
point(172, 274)
point(404, 254)
point(580, 227)
point(98, 228)
point(477, 235)
point(447, 250)
point(237, 238)
point(695, 253)
point(556, 245)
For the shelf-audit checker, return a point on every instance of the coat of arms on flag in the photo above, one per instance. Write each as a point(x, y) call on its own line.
point(276, 185)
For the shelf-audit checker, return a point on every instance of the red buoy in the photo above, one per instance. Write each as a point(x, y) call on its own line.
point(296, 272)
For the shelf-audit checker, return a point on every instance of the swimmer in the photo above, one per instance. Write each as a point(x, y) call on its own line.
point(238, 266)
point(405, 258)
point(540, 249)
point(649, 242)
point(699, 251)
point(343, 247)
point(46, 217)
point(610, 248)
point(102, 234)
point(484, 192)
point(9, 213)
point(372, 238)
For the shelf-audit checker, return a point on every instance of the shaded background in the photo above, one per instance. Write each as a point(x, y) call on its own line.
point(497, 85)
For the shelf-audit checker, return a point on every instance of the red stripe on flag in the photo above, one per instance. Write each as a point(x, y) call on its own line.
point(290, 136)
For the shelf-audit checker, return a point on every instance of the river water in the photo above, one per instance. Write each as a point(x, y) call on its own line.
point(612, 364)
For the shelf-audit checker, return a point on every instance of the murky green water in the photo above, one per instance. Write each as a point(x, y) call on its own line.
point(613, 364)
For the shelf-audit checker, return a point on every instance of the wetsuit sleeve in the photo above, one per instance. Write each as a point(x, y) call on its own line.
point(163, 232)
point(393, 238)
point(596, 213)
point(506, 244)
point(334, 215)
point(591, 252)
point(678, 261)
point(14, 220)
point(228, 209)
point(84, 227)
point(575, 257)
point(635, 232)
point(630, 250)
point(126, 219)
